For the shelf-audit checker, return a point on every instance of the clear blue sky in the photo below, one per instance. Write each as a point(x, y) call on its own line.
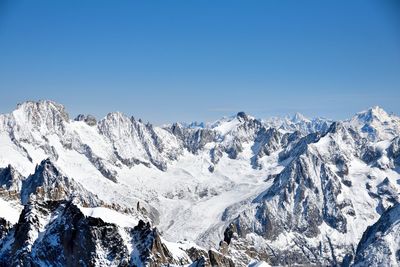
point(190, 60)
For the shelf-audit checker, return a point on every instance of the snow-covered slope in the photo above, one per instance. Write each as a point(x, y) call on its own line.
point(380, 244)
point(330, 191)
point(279, 191)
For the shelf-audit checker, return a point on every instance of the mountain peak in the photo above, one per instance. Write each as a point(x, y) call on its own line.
point(241, 115)
point(41, 105)
point(298, 117)
point(46, 167)
point(373, 113)
point(44, 116)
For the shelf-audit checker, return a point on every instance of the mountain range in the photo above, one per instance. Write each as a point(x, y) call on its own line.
point(240, 191)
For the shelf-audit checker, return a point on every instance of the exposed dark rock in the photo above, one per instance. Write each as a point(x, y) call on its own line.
point(393, 151)
point(10, 183)
point(69, 238)
point(48, 183)
point(266, 142)
point(5, 227)
point(193, 139)
point(241, 115)
point(88, 119)
point(218, 259)
point(376, 247)
point(230, 231)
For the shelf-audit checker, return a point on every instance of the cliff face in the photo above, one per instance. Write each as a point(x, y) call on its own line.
point(380, 244)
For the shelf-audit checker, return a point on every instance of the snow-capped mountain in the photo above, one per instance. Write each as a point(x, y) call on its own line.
point(240, 191)
point(298, 122)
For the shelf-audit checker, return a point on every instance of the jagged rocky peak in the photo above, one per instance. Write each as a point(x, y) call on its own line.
point(298, 118)
point(247, 123)
point(89, 119)
point(58, 233)
point(40, 114)
point(151, 248)
point(376, 124)
point(336, 127)
point(138, 143)
point(192, 138)
point(116, 126)
point(10, 179)
point(305, 196)
point(115, 118)
point(242, 115)
point(67, 238)
point(372, 114)
point(341, 133)
point(49, 183)
point(46, 169)
point(41, 106)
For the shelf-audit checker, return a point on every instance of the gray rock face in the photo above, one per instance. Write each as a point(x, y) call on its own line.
point(387, 194)
point(370, 155)
point(266, 142)
point(380, 244)
point(303, 197)
point(218, 259)
point(135, 142)
point(298, 146)
point(310, 182)
point(150, 248)
point(48, 183)
point(45, 113)
point(88, 119)
point(394, 151)
point(10, 183)
point(44, 116)
point(193, 139)
point(69, 238)
point(211, 258)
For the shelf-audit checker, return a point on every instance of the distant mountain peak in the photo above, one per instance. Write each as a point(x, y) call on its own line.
point(298, 117)
point(373, 113)
point(42, 102)
point(42, 106)
point(242, 115)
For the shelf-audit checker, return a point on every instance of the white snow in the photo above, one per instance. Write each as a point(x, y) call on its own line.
point(259, 264)
point(110, 216)
point(225, 127)
point(9, 211)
